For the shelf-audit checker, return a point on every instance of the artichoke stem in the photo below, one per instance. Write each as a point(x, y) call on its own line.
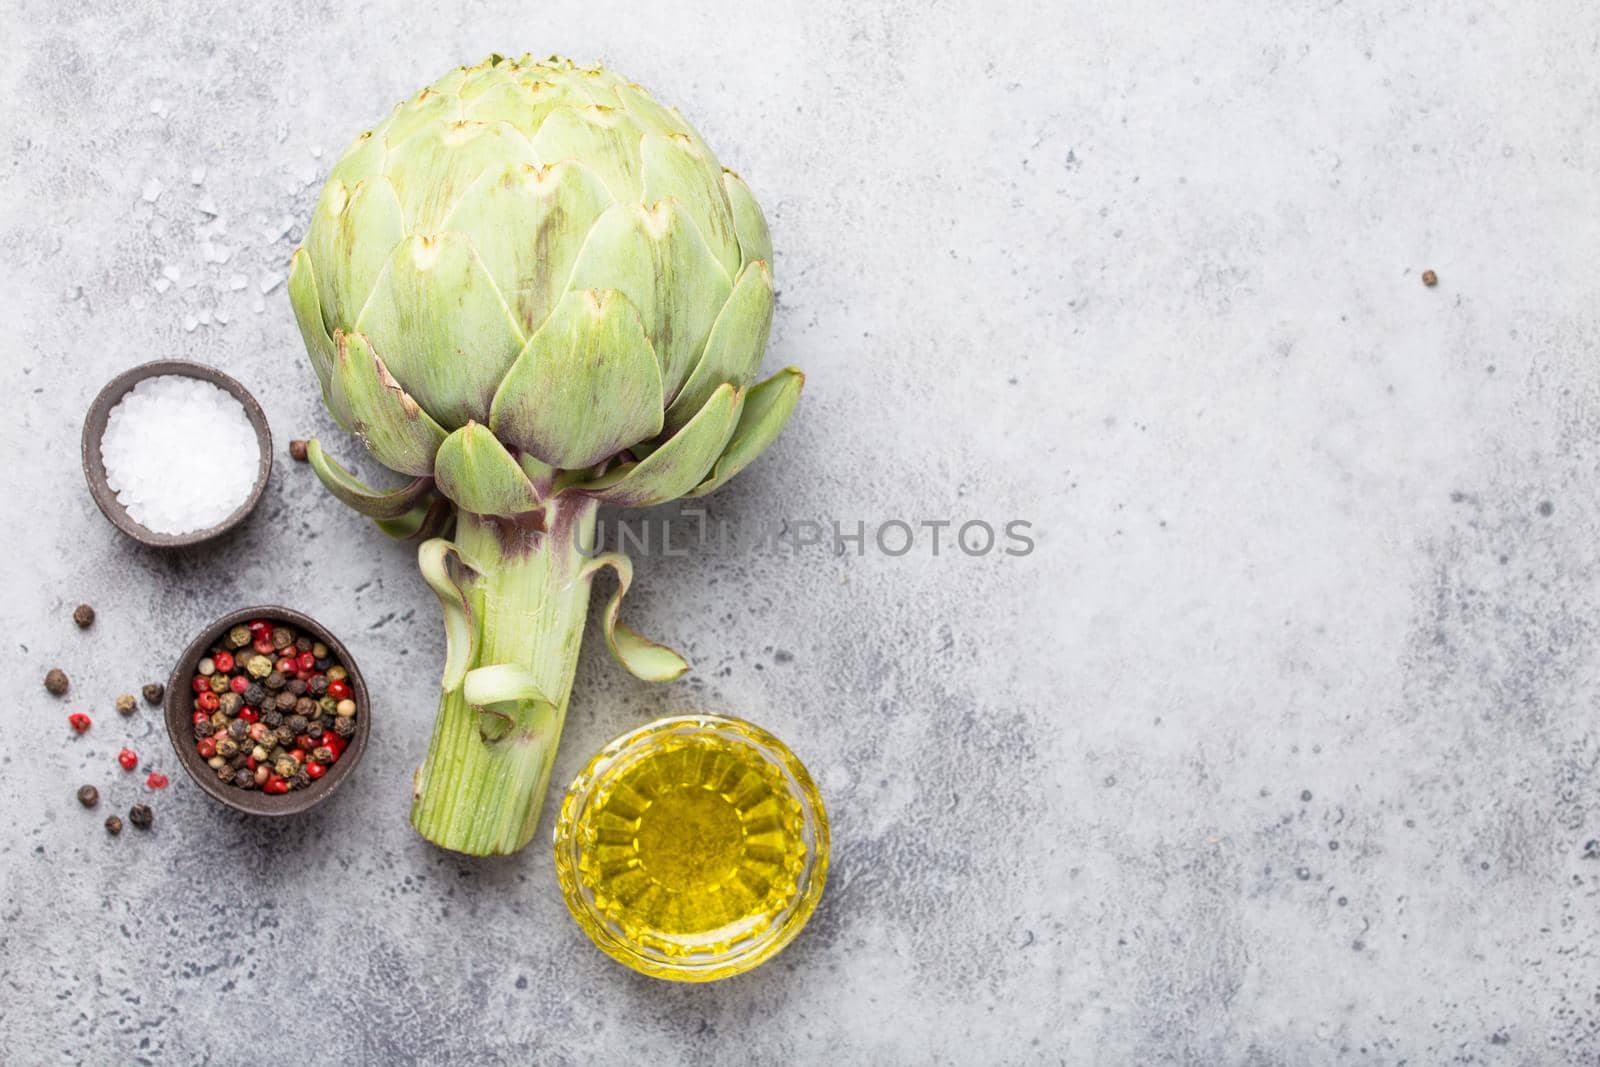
point(480, 790)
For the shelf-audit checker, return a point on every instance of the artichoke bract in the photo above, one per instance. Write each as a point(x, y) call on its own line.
point(532, 289)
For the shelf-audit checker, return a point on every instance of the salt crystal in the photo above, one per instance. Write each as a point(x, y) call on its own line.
point(222, 317)
point(152, 191)
point(197, 176)
point(270, 282)
point(158, 106)
point(163, 284)
point(316, 151)
point(190, 322)
point(180, 454)
point(237, 282)
point(207, 206)
point(258, 305)
point(170, 272)
point(278, 232)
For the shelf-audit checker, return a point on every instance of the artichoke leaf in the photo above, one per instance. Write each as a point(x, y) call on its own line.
point(447, 572)
point(767, 408)
point(678, 465)
point(755, 240)
point(475, 471)
point(430, 282)
point(528, 226)
point(675, 168)
point(350, 490)
point(656, 257)
point(308, 315)
point(508, 700)
point(427, 519)
point(389, 422)
point(733, 351)
point(605, 138)
point(585, 387)
point(353, 234)
point(639, 656)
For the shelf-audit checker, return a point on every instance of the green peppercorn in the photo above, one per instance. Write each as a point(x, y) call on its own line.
point(336, 673)
point(227, 748)
point(322, 754)
point(344, 727)
point(345, 709)
point(153, 693)
point(141, 816)
point(113, 825)
point(319, 650)
point(259, 666)
point(275, 681)
point(238, 637)
point(259, 754)
point(88, 796)
point(219, 684)
point(328, 705)
point(216, 763)
point(126, 704)
point(220, 720)
point(286, 767)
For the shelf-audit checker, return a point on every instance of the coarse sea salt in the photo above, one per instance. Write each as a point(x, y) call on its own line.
point(180, 454)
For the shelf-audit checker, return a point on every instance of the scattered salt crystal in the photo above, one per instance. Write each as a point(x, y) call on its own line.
point(215, 253)
point(158, 106)
point(163, 284)
point(258, 305)
point(170, 272)
point(205, 317)
point(207, 206)
point(189, 323)
point(153, 190)
point(222, 317)
point(316, 151)
point(271, 282)
point(237, 282)
point(180, 454)
point(197, 176)
point(279, 231)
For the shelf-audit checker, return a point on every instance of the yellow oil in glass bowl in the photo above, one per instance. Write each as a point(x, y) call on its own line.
point(693, 848)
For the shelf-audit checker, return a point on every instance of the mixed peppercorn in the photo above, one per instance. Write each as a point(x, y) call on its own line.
point(273, 710)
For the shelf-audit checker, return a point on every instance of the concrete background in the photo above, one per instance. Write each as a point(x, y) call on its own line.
point(1279, 748)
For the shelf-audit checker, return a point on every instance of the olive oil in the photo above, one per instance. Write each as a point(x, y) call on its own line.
point(696, 844)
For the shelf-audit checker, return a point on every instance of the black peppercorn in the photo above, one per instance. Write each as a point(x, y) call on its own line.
point(153, 693)
point(344, 726)
point(275, 681)
point(244, 778)
point(315, 730)
point(285, 700)
point(238, 729)
point(305, 707)
point(272, 717)
point(323, 663)
point(317, 686)
point(55, 680)
point(302, 644)
point(297, 687)
point(301, 779)
point(203, 729)
point(241, 759)
point(230, 703)
point(141, 816)
point(322, 754)
point(227, 748)
point(113, 825)
point(283, 735)
point(254, 694)
point(88, 796)
point(83, 615)
point(296, 724)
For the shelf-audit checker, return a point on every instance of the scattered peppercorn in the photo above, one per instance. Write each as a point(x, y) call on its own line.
point(55, 680)
point(156, 780)
point(83, 615)
point(297, 450)
point(1430, 279)
point(88, 796)
point(153, 693)
point(128, 758)
point(79, 721)
point(113, 825)
point(126, 704)
point(141, 816)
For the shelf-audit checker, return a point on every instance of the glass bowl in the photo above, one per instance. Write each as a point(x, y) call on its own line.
point(586, 867)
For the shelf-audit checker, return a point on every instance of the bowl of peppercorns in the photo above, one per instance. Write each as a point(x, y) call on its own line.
point(267, 711)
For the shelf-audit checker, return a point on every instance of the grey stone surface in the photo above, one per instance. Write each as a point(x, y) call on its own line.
point(1281, 746)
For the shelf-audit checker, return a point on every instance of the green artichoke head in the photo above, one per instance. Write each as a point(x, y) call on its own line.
point(533, 278)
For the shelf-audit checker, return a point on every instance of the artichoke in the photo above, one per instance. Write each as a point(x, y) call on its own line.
point(532, 289)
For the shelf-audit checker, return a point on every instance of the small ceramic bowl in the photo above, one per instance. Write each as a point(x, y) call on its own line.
point(180, 711)
point(94, 468)
point(584, 856)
